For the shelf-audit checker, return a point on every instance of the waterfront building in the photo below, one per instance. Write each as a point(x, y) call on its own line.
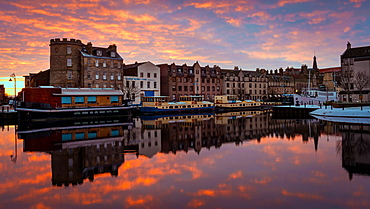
point(77, 65)
point(2, 94)
point(183, 80)
point(141, 79)
point(354, 61)
point(246, 85)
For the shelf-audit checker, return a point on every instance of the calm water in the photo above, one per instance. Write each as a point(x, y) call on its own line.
point(192, 161)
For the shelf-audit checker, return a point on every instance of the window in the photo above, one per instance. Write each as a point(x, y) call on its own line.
point(148, 75)
point(119, 76)
point(104, 76)
point(191, 88)
point(141, 75)
point(96, 63)
point(91, 135)
point(173, 88)
point(155, 75)
point(66, 137)
point(155, 85)
point(79, 100)
point(69, 74)
point(69, 62)
point(127, 84)
point(112, 54)
point(69, 50)
point(180, 88)
point(66, 100)
point(148, 84)
point(141, 84)
point(111, 64)
point(114, 132)
point(185, 88)
point(112, 76)
point(91, 99)
point(119, 64)
point(80, 135)
point(97, 76)
point(133, 84)
point(114, 99)
point(88, 75)
point(104, 63)
point(99, 53)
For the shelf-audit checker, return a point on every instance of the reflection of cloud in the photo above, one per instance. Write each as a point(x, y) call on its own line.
point(301, 195)
point(138, 201)
point(238, 174)
point(195, 203)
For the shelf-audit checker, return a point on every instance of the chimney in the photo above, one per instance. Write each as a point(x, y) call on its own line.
point(348, 45)
point(89, 47)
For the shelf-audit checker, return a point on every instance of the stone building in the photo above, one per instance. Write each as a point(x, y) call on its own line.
point(354, 61)
point(141, 79)
point(247, 85)
point(183, 80)
point(77, 65)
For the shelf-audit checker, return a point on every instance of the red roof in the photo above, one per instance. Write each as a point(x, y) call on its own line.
point(330, 70)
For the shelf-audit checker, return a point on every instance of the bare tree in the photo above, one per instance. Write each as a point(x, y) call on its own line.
point(131, 91)
point(346, 81)
point(362, 80)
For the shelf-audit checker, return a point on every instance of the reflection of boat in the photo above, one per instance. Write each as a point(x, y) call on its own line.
point(81, 151)
point(231, 103)
point(223, 118)
point(161, 104)
point(154, 120)
point(45, 103)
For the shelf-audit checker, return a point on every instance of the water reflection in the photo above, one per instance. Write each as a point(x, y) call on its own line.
point(355, 149)
point(199, 160)
point(82, 149)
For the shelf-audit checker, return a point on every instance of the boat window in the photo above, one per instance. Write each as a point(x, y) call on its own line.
point(79, 100)
point(66, 100)
point(114, 99)
point(80, 135)
point(66, 137)
point(91, 99)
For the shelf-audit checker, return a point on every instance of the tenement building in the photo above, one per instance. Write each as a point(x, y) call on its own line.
point(141, 79)
point(245, 84)
point(183, 80)
point(77, 65)
point(355, 71)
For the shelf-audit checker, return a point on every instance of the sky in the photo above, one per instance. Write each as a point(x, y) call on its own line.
point(249, 34)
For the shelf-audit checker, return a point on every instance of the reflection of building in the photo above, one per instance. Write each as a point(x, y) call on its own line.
point(81, 151)
point(356, 149)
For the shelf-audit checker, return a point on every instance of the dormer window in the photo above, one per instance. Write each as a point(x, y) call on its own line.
point(99, 53)
point(112, 54)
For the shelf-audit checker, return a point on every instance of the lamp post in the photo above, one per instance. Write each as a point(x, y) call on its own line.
point(15, 90)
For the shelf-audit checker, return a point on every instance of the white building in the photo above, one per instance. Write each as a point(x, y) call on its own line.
point(141, 79)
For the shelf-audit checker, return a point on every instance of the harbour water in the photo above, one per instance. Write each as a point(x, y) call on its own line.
point(234, 160)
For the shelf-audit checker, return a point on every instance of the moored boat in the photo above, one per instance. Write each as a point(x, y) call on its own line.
point(161, 104)
point(47, 103)
point(231, 103)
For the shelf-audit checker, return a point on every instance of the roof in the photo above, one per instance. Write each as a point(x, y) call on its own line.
point(357, 52)
point(89, 92)
point(330, 70)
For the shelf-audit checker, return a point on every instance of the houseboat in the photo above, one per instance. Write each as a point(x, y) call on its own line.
point(162, 105)
point(231, 103)
point(47, 103)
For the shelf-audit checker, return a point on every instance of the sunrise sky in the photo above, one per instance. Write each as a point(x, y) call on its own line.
point(245, 33)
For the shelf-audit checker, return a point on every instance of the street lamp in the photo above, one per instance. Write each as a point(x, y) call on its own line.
point(15, 90)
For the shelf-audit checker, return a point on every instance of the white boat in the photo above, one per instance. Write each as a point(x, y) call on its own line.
point(315, 97)
point(346, 115)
